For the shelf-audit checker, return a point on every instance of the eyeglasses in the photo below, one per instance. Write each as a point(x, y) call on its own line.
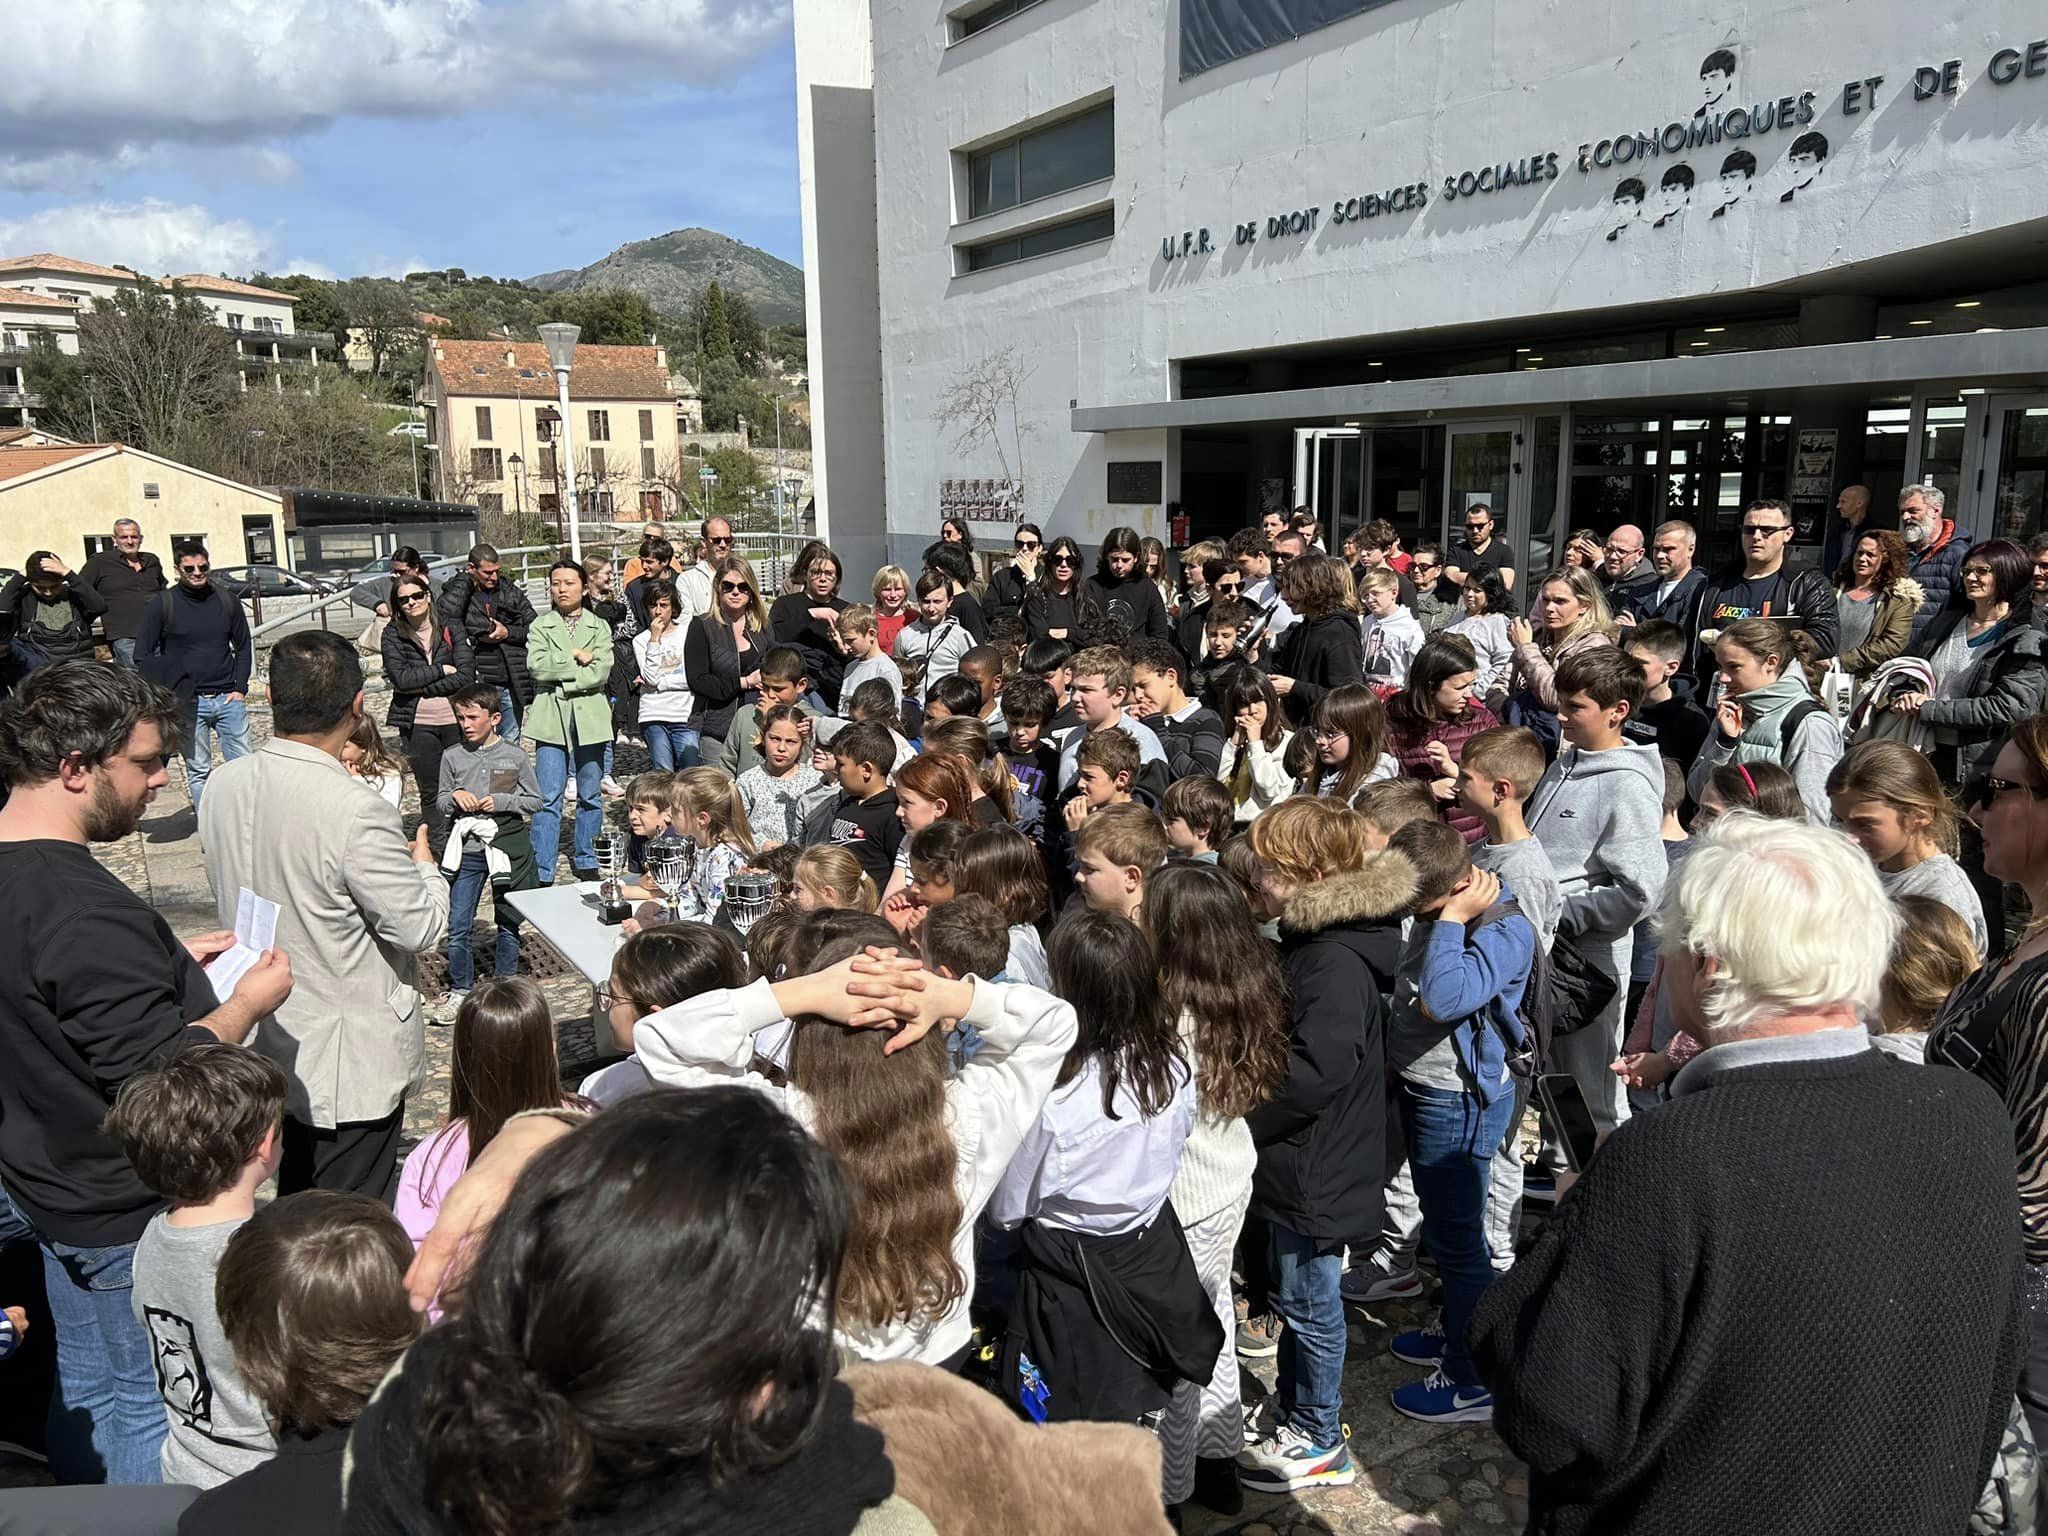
point(734, 586)
point(1764, 530)
point(602, 998)
point(716, 540)
point(1326, 732)
point(1983, 571)
point(195, 570)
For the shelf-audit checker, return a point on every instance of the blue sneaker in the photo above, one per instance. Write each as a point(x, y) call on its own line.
point(1439, 1400)
point(1287, 1460)
point(1421, 1346)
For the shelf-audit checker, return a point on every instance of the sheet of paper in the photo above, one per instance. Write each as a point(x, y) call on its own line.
point(255, 932)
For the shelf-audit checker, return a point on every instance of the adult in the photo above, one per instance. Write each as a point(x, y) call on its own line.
point(1626, 570)
point(1570, 615)
point(604, 598)
point(1253, 553)
point(695, 587)
point(809, 622)
point(1323, 649)
point(1875, 602)
point(427, 661)
point(356, 906)
point(1007, 587)
point(495, 616)
point(569, 652)
point(98, 987)
point(2037, 594)
point(955, 563)
point(722, 653)
point(1057, 606)
point(1765, 588)
point(377, 594)
point(954, 530)
point(1852, 507)
point(126, 576)
point(1676, 586)
point(1424, 571)
point(51, 614)
point(1273, 522)
point(1617, 1346)
point(1937, 547)
point(656, 557)
point(1479, 549)
point(195, 641)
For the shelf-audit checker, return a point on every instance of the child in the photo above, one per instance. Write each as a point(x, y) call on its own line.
point(1764, 788)
point(950, 698)
point(784, 680)
point(1390, 633)
point(873, 701)
point(656, 969)
point(203, 1129)
point(1107, 764)
point(865, 822)
point(1670, 720)
point(1769, 714)
point(1115, 852)
point(829, 877)
point(1102, 681)
point(1199, 815)
point(1191, 735)
point(1934, 954)
point(313, 1304)
point(983, 667)
point(1051, 661)
point(1462, 982)
point(1498, 772)
point(930, 880)
point(961, 938)
point(1002, 864)
point(995, 790)
point(502, 1061)
point(935, 641)
point(1390, 805)
point(1226, 623)
point(647, 801)
point(1347, 732)
point(371, 763)
point(1596, 811)
point(1029, 705)
point(488, 794)
point(1889, 799)
point(706, 808)
point(932, 787)
point(781, 790)
point(1254, 759)
point(860, 637)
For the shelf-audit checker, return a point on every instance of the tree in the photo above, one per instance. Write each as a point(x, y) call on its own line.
point(739, 481)
point(745, 329)
point(608, 317)
point(717, 345)
point(149, 362)
point(385, 315)
point(319, 307)
point(975, 405)
point(338, 438)
point(59, 379)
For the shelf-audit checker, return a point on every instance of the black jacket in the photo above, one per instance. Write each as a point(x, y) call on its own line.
point(1044, 613)
point(1682, 607)
point(195, 642)
point(1319, 654)
point(1005, 595)
point(126, 590)
point(472, 610)
point(712, 664)
point(1190, 629)
point(68, 642)
point(1133, 602)
point(1322, 1137)
point(791, 624)
point(414, 675)
point(2007, 679)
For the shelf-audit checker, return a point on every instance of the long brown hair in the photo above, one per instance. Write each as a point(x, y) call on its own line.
point(1768, 640)
point(1002, 864)
point(1219, 976)
point(1356, 711)
point(1893, 560)
point(966, 737)
point(502, 1060)
point(1102, 965)
point(1893, 774)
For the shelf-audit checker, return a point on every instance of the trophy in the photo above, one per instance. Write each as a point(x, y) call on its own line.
point(748, 895)
point(609, 849)
point(671, 860)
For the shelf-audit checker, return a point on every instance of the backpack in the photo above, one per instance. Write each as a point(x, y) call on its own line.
point(1533, 1025)
point(1789, 726)
point(167, 601)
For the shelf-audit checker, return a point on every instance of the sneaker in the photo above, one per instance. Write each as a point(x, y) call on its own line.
point(613, 789)
point(1540, 1185)
point(1287, 1461)
point(1420, 1346)
point(1258, 1337)
point(444, 1008)
point(1439, 1400)
point(1216, 1485)
point(1369, 1283)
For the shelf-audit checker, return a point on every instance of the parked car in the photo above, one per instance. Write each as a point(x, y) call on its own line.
point(269, 580)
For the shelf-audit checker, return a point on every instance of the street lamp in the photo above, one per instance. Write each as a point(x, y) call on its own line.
point(778, 461)
point(518, 468)
point(560, 340)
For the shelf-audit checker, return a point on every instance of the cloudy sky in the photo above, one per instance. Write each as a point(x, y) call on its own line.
point(341, 137)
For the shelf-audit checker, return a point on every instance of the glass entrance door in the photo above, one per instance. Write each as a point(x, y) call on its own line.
point(1482, 466)
point(2013, 480)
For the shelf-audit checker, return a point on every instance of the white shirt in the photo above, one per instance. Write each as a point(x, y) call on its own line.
point(693, 591)
point(664, 687)
point(1080, 1171)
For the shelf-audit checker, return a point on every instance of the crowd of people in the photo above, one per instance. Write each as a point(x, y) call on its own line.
point(1161, 963)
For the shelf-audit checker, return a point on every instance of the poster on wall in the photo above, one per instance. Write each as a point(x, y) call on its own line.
point(989, 506)
point(1813, 483)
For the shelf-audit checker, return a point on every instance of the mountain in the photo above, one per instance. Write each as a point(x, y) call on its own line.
point(669, 269)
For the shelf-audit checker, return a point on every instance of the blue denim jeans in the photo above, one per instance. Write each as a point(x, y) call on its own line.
point(1310, 1379)
point(670, 745)
point(124, 653)
point(508, 715)
point(470, 879)
point(214, 717)
point(1451, 1142)
point(551, 767)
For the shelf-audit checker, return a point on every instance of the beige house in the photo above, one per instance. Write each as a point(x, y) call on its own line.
point(67, 498)
point(492, 422)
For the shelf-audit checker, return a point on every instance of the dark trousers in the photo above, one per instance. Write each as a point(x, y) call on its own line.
point(424, 745)
point(360, 1157)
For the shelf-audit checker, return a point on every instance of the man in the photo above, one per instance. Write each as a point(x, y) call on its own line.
point(97, 988)
point(495, 615)
point(375, 594)
point(1479, 550)
point(195, 641)
point(637, 566)
point(355, 908)
point(1304, 523)
point(1288, 548)
point(1624, 569)
point(1006, 587)
point(126, 577)
point(1872, 1202)
point(693, 587)
point(47, 615)
point(1935, 547)
point(2037, 593)
point(1764, 588)
point(1852, 506)
point(1675, 584)
point(655, 556)
point(1272, 524)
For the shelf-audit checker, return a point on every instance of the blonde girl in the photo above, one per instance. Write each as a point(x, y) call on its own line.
point(705, 806)
point(892, 606)
point(828, 876)
point(1889, 799)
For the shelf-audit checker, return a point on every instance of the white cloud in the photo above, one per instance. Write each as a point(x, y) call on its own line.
point(301, 267)
point(152, 236)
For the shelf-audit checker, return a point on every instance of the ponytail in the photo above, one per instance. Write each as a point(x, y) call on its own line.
point(710, 792)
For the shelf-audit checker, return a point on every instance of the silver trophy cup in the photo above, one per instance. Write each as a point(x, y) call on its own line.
point(609, 849)
point(671, 860)
point(748, 895)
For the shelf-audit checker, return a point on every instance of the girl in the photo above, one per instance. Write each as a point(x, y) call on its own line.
point(426, 662)
point(1764, 788)
point(569, 655)
point(1429, 722)
point(1323, 650)
point(1154, 566)
point(1220, 982)
point(502, 1061)
point(1768, 716)
point(922, 1150)
point(372, 764)
point(722, 651)
point(1488, 607)
point(930, 883)
point(1001, 864)
point(1888, 798)
point(782, 790)
point(1570, 615)
point(933, 786)
point(828, 876)
point(1121, 589)
point(1254, 758)
point(666, 703)
point(706, 808)
point(1348, 734)
point(966, 737)
point(1934, 954)
point(1058, 606)
point(891, 592)
point(655, 969)
point(1092, 1174)
point(1875, 603)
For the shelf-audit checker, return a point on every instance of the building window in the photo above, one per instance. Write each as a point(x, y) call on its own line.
point(600, 426)
point(547, 462)
point(1041, 242)
point(234, 322)
point(1046, 160)
point(650, 502)
point(486, 464)
point(597, 463)
point(491, 501)
point(646, 463)
point(544, 425)
point(550, 503)
point(259, 540)
point(988, 16)
point(151, 491)
point(647, 426)
point(483, 423)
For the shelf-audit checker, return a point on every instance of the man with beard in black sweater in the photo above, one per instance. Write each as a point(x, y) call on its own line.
point(1788, 1300)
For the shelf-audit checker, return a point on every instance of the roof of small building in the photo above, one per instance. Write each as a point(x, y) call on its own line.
point(600, 373)
point(16, 462)
point(209, 284)
point(21, 298)
point(49, 261)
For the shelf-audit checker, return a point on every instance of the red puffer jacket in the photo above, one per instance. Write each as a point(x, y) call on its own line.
point(1409, 741)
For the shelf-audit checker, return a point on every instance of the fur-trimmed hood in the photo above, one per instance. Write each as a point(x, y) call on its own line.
point(1909, 589)
point(1380, 892)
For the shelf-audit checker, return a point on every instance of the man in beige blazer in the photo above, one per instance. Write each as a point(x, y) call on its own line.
point(356, 907)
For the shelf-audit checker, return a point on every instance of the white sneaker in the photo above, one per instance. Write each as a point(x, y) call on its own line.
point(1286, 1460)
point(444, 1008)
point(613, 789)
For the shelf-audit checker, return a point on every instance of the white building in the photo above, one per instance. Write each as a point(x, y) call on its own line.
point(1588, 264)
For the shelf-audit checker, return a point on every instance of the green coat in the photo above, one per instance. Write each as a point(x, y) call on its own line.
point(565, 693)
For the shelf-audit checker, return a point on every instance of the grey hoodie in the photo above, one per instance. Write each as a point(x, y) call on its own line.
point(1597, 815)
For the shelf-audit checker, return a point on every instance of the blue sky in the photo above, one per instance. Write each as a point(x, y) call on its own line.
point(342, 137)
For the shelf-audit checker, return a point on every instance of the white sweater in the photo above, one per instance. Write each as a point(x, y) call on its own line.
point(1270, 781)
point(1217, 1164)
point(991, 1103)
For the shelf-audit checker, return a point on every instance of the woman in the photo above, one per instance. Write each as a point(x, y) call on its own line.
point(892, 606)
point(954, 530)
point(569, 655)
point(1429, 722)
point(805, 619)
point(1769, 714)
point(1323, 649)
point(1875, 601)
point(1254, 764)
point(604, 600)
point(1570, 615)
point(1007, 587)
point(722, 651)
point(799, 570)
point(663, 685)
point(1123, 592)
point(1348, 736)
point(1484, 624)
point(1154, 565)
point(425, 662)
point(1058, 606)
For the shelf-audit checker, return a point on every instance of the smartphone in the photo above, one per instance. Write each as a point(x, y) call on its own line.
point(1570, 1114)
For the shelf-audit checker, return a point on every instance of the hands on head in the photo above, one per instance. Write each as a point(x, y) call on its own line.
point(879, 989)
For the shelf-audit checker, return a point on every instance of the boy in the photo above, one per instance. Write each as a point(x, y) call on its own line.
point(1391, 634)
point(865, 822)
point(951, 696)
point(1390, 805)
point(1191, 735)
point(1497, 774)
point(1199, 815)
point(1102, 681)
point(1051, 661)
point(965, 937)
point(1108, 765)
point(1227, 620)
point(1670, 720)
point(873, 701)
point(983, 666)
point(859, 637)
point(1596, 812)
point(1029, 705)
point(1115, 852)
point(1460, 985)
point(935, 640)
point(784, 680)
point(647, 800)
point(203, 1129)
point(488, 795)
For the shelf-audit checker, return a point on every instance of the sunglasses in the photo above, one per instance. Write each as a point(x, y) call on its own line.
point(1066, 559)
point(1230, 586)
point(195, 570)
point(734, 586)
point(1764, 530)
point(1978, 793)
point(1030, 544)
point(412, 597)
point(715, 540)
